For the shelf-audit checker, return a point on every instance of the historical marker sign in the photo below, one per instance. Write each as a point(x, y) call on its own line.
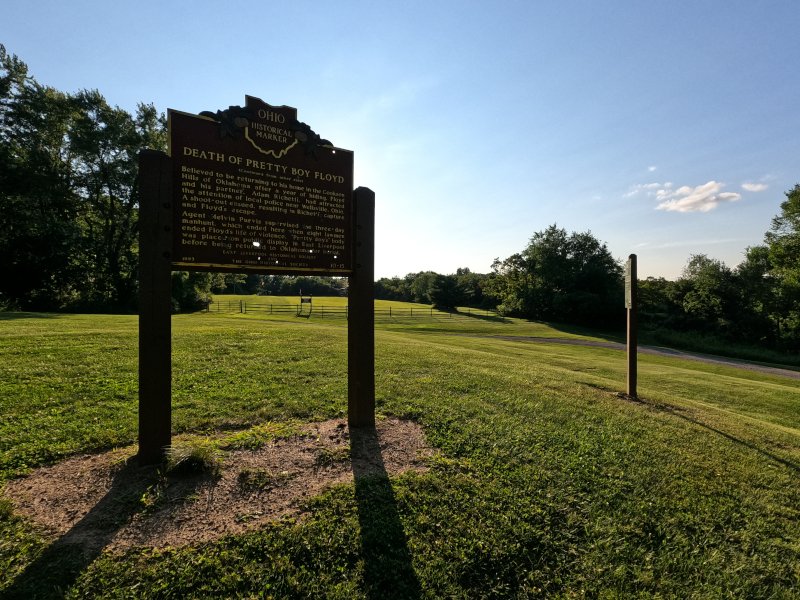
point(257, 190)
point(249, 189)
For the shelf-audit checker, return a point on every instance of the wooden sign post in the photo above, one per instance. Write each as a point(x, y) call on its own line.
point(361, 315)
point(155, 305)
point(249, 189)
point(631, 303)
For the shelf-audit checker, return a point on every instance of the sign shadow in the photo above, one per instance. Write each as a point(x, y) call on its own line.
point(750, 445)
point(60, 564)
point(388, 569)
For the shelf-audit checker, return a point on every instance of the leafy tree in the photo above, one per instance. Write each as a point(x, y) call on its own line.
point(656, 301)
point(461, 289)
point(282, 285)
point(105, 142)
point(740, 305)
point(473, 286)
point(783, 238)
point(317, 286)
point(229, 283)
point(446, 293)
point(191, 290)
point(561, 277)
point(783, 243)
point(513, 285)
point(393, 288)
point(709, 294)
point(38, 206)
point(68, 196)
point(420, 285)
point(755, 306)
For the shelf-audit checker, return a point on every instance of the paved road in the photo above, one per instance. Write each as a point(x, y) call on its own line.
point(659, 351)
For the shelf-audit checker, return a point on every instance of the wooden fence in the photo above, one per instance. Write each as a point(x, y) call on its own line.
point(320, 311)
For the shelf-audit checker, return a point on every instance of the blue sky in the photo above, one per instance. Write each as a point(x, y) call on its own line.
point(665, 128)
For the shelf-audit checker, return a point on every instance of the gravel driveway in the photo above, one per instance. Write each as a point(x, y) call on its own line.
point(658, 351)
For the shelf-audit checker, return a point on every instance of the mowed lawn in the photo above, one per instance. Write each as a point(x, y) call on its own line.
point(546, 483)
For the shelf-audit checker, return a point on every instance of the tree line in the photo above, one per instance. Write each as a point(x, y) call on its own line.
point(69, 204)
point(68, 194)
point(69, 240)
point(445, 292)
point(573, 278)
point(757, 302)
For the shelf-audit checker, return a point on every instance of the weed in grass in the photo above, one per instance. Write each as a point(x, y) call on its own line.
point(262, 479)
point(194, 457)
point(261, 435)
point(328, 457)
point(155, 495)
point(247, 517)
point(6, 509)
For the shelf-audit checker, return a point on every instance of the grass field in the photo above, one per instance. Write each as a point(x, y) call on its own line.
point(546, 482)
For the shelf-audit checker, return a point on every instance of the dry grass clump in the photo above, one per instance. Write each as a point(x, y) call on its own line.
point(194, 457)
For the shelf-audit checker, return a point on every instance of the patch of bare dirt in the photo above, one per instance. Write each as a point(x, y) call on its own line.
point(107, 500)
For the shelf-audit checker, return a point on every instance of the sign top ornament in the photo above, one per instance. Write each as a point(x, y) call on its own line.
point(254, 189)
point(272, 130)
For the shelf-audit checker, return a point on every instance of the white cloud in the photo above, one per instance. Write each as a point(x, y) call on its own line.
point(702, 198)
point(652, 168)
point(664, 191)
point(754, 187)
point(651, 189)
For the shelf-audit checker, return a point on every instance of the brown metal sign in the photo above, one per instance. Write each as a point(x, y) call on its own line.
point(254, 189)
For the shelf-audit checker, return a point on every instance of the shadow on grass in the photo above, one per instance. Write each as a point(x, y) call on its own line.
point(784, 461)
point(751, 446)
point(388, 571)
point(603, 334)
point(13, 316)
point(491, 318)
point(59, 565)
